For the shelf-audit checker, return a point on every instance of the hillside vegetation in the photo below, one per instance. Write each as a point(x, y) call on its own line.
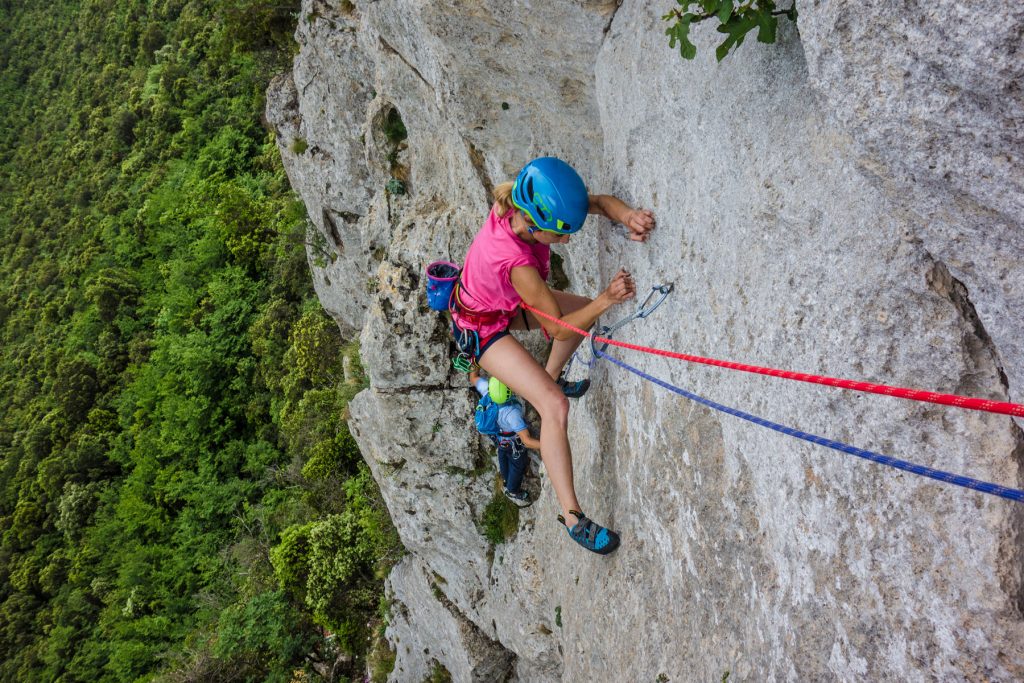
point(179, 495)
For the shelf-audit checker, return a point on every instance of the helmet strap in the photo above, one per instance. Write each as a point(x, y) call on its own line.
point(530, 227)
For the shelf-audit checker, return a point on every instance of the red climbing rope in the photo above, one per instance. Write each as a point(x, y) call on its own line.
point(1015, 409)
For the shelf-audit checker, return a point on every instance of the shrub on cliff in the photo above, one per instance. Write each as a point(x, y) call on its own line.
point(735, 20)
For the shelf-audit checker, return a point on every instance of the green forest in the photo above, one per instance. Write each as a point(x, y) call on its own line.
point(180, 498)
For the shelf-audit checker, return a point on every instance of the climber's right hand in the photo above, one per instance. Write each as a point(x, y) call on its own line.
point(621, 288)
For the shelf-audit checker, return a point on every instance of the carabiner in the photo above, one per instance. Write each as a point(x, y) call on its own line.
point(663, 290)
point(603, 331)
point(463, 362)
point(646, 308)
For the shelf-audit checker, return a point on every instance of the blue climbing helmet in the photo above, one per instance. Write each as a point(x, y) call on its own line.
point(552, 194)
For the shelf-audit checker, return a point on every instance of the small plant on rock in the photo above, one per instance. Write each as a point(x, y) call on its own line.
point(500, 518)
point(735, 19)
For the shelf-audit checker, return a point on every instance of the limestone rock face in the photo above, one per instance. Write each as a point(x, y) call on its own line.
point(933, 98)
point(452, 640)
point(848, 201)
point(318, 112)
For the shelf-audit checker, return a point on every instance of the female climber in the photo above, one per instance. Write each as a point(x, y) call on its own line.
point(508, 264)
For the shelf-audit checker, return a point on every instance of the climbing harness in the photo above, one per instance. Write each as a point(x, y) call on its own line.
point(444, 288)
point(469, 342)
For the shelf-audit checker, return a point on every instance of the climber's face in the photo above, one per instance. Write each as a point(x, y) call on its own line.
point(545, 237)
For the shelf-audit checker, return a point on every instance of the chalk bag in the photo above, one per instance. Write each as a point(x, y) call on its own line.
point(441, 279)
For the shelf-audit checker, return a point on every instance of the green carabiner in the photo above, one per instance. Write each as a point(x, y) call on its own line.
point(463, 362)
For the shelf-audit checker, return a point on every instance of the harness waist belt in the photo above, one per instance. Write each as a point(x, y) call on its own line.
point(476, 318)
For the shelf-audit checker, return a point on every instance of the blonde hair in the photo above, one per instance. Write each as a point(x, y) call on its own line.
point(503, 197)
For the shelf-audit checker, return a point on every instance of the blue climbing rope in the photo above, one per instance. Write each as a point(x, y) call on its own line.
point(939, 475)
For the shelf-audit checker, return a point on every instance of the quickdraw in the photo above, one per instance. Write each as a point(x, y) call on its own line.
point(644, 310)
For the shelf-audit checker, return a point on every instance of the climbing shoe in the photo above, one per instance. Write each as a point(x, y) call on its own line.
point(591, 535)
point(574, 389)
point(521, 499)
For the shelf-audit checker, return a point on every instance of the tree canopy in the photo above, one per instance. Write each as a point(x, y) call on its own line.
point(180, 498)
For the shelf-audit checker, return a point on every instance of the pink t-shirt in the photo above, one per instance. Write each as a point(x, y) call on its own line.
point(487, 273)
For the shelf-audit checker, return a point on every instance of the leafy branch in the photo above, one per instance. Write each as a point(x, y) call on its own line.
point(736, 20)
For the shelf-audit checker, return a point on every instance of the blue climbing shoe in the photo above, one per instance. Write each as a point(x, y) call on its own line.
point(574, 389)
point(591, 535)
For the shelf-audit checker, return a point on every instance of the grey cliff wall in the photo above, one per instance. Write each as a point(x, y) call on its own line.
point(848, 201)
